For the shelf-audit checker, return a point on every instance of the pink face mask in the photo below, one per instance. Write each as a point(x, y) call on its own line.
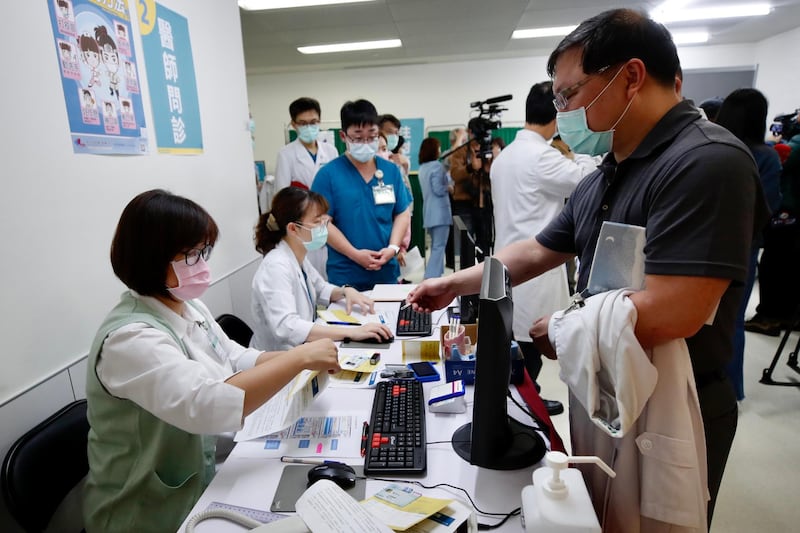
point(192, 280)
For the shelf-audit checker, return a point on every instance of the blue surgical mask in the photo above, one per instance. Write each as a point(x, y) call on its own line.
point(363, 152)
point(319, 236)
point(392, 140)
point(308, 133)
point(574, 128)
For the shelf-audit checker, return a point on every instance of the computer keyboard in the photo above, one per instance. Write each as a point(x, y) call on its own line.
point(412, 323)
point(396, 440)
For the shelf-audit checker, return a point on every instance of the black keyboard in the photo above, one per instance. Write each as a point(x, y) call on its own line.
point(412, 323)
point(396, 440)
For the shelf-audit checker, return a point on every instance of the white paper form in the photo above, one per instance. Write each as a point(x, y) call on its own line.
point(285, 407)
point(326, 508)
point(317, 437)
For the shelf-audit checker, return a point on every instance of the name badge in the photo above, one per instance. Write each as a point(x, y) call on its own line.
point(383, 194)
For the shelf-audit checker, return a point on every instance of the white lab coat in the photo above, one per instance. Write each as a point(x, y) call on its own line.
point(145, 365)
point(638, 411)
point(282, 308)
point(530, 181)
point(295, 164)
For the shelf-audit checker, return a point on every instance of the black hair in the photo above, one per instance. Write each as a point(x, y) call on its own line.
point(155, 227)
point(539, 108)
point(303, 104)
point(289, 205)
point(711, 106)
point(358, 113)
point(617, 35)
point(744, 113)
point(388, 118)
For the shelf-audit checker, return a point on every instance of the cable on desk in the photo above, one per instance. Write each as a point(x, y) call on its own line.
point(481, 527)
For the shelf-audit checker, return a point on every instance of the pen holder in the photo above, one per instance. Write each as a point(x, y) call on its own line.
point(459, 339)
point(464, 369)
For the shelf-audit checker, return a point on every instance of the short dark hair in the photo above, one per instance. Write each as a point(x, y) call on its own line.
point(388, 118)
point(711, 106)
point(617, 35)
point(154, 227)
point(303, 104)
point(539, 108)
point(744, 113)
point(358, 113)
point(429, 149)
point(289, 205)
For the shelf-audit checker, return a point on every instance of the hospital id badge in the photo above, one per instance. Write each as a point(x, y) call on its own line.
point(383, 194)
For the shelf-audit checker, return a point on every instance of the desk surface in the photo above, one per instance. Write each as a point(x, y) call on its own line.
point(248, 479)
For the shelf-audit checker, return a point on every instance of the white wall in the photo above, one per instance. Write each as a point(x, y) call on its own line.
point(440, 92)
point(778, 72)
point(58, 210)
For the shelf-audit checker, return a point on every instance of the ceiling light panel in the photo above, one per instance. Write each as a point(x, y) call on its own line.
point(349, 47)
point(263, 5)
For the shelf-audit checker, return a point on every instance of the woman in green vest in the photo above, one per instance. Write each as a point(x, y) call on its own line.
point(162, 373)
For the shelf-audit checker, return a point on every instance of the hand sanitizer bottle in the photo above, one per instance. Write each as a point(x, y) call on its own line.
point(558, 501)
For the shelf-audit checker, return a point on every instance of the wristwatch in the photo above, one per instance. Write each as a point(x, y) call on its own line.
point(395, 248)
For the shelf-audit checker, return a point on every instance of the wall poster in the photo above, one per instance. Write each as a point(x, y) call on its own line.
point(99, 77)
point(171, 79)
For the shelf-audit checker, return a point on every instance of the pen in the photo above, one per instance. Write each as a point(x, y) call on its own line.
point(302, 461)
point(364, 434)
point(383, 320)
point(343, 323)
point(374, 360)
point(405, 306)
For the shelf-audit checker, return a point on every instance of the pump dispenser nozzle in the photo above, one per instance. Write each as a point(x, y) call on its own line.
point(558, 461)
point(558, 501)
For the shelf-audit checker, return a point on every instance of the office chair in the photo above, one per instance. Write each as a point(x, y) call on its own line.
point(44, 465)
point(235, 328)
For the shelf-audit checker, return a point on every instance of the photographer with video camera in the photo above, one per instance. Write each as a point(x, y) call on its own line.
point(778, 294)
point(470, 164)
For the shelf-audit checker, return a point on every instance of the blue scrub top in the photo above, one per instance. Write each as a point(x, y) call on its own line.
point(366, 225)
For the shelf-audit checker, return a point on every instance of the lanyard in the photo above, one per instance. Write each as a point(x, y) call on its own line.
point(308, 291)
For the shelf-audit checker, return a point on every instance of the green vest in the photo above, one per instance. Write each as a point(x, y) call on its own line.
point(144, 474)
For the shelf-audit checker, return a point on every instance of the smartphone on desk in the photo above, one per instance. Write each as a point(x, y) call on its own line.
point(424, 371)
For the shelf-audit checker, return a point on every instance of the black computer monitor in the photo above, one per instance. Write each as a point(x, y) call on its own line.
point(493, 439)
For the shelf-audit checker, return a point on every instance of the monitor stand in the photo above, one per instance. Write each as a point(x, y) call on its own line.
point(526, 447)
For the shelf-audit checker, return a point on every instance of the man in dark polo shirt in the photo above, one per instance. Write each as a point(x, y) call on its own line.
point(690, 183)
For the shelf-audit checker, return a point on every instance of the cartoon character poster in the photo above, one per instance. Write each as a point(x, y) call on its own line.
point(170, 78)
point(98, 75)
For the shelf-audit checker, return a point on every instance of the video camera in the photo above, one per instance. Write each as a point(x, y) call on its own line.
point(488, 119)
point(786, 125)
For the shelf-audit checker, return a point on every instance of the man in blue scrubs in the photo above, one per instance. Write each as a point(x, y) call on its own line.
point(368, 204)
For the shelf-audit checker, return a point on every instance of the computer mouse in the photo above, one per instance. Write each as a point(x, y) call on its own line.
point(340, 473)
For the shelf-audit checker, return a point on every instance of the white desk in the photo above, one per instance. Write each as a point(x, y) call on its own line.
point(248, 479)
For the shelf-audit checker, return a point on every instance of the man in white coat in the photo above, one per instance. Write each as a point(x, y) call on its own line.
point(530, 181)
point(299, 161)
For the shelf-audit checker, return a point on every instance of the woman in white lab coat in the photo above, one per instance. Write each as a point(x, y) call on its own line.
point(287, 288)
point(162, 375)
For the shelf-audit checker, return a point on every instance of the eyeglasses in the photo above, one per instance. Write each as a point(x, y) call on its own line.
point(307, 123)
point(323, 222)
point(561, 100)
point(194, 255)
point(368, 140)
